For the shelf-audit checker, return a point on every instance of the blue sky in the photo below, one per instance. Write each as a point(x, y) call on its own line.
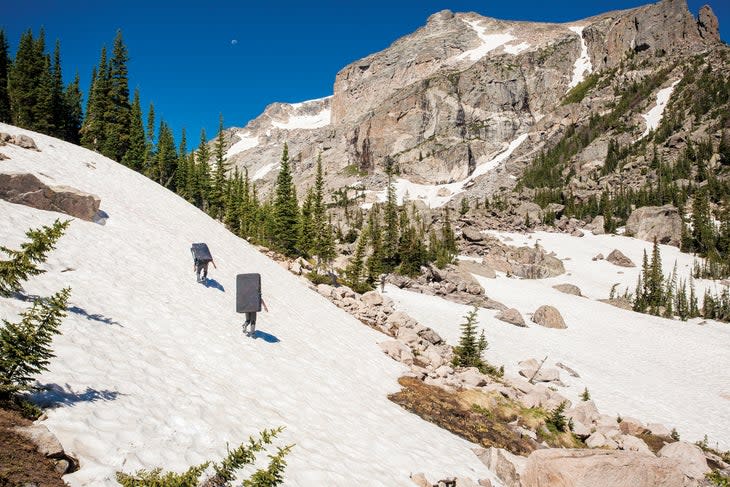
point(194, 60)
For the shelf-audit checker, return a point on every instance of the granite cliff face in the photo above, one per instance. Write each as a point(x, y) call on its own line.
point(453, 94)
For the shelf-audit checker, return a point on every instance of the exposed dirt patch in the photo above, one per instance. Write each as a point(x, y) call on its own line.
point(20, 463)
point(456, 414)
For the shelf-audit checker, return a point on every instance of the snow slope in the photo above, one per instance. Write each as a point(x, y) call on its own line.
point(583, 64)
point(308, 122)
point(489, 43)
point(245, 142)
point(654, 116)
point(637, 365)
point(152, 368)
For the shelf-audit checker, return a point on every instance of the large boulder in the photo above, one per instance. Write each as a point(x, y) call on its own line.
point(549, 317)
point(26, 189)
point(534, 263)
point(507, 466)
point(689, 458)
point(616, 257)
point(662, 223)
point(398, 351)
point(511, 316)
point(591, 468)
point(472, 235)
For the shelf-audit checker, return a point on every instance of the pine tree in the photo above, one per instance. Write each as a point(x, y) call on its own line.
point(25, 347)
point(469, 351)
point(118, 116)
point(23, 263)
point(134, 157)
point(655, 281)
point(30, 85)
point(166, 157)
point(324, 246)
point(4, 72)
point(356, 267)
point(703, 233)
point(58, 106)
point(202, 171)
point(219, 175)
point(93, 130)
point(375, 265)
point(72, 111)
point(181, 176)
point(286, 210)
point(391, 233)
point(149, 165)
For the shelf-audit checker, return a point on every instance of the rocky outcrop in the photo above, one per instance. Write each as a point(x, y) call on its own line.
point(27, 189)
point(662, 223)
point(616, 257)
point(549, 317)
point(507, 466)
point(525, 262)
point(708, 25)
point(590, 468)
point(47, 444)
point(688, 457)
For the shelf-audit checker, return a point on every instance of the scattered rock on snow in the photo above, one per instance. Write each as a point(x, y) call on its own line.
point(568, 289)
point(616, 257)
point(549, 317)
point(511, 316)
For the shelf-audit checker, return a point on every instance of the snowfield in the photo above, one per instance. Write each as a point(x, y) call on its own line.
point(650, 368)
point(245, 142)
point(583, 64)
point(654, 116)
point(152, 368)
point(489, 43)
point(307, 122)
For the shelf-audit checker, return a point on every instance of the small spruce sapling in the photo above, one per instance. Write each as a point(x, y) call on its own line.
point(585, 396)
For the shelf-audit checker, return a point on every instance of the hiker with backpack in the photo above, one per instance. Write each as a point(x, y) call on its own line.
point(251, 320)
point(201, 258)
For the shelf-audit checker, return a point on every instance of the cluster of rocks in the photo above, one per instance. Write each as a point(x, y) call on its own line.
point(617, 449)
point(526, 262)
point(47, 444)
point(21, 140)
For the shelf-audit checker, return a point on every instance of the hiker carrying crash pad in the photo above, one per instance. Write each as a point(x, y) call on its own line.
point(201, 252)
point(248, 293)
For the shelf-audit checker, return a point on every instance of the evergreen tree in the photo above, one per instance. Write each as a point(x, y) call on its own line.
point(219, 175)
point(375, 265)
point(703, 233)
point(356, 267)
point(25, 347)
point(149, 167)
point(286, 210)
point(655, 281)
point(202, 173)
point(391, 233)
point(118, 117)
point(134, 157)
point(469, 351)
point(306, 231)
point(324, 245)
point(58, 106)
point(93, 130)
point(72, 111)
point(23, 263)
point(166, 157)
point(181, 176)
point(4, 71)
point(30, 85)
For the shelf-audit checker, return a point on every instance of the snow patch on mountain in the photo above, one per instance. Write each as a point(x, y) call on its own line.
point(490, 42)
point(583, 64)
point(245, 142)
point(264, 170)
point(308, 122)
point(654, 116)
point(516, 48)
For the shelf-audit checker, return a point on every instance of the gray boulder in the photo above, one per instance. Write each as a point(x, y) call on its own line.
point(662, 223)
point(26, 189)
point(688, 458)
point(616, 257)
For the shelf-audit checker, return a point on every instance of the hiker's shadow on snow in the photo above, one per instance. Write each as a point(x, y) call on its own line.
point(93, 316)
point(267, 337)
point(53, 395)
point(214, 284)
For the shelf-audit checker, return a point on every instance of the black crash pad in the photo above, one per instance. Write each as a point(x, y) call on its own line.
point(248, 293)
point(201, 252)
